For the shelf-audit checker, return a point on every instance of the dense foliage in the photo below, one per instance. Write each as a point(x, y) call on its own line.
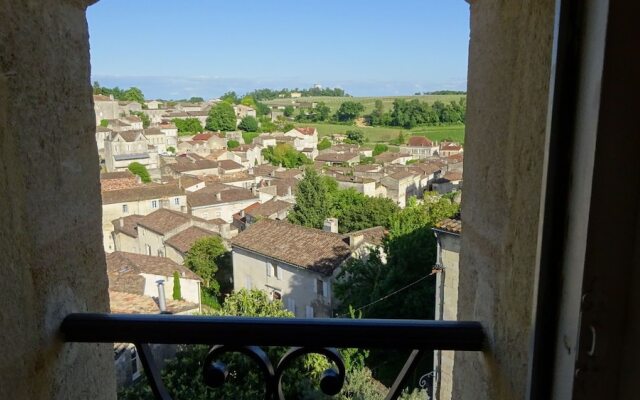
point(288, 111)
point(232, 144)
point(348, 111)
point(205, 258)
point(318, 198)
point(177, 290)
point(188, 126)
point(221, 118)
point(131, 94)
point(320, 113)
point(285, 155)
point(249, 136)
point(412, 113)
point(379, 149)
point(138, 169)
point(248, 124)
point(355, 137)
point(324, 144)
point(182, 375)
point(270, 94)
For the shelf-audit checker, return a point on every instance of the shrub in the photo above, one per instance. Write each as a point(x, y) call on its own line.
point(177, 293)
point(138, 169)
point(232, 144)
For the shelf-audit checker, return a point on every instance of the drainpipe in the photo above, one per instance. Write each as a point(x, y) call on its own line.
point(162, 301)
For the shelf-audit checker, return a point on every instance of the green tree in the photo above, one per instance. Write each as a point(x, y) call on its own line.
point(248, 101)
point(355, 211)
point(312, 201)
point(171, 149)
point(221, 118)
point(285, 155)
point(104, 123)
point(195, 99)
point(232, 144)
point(230, 97)
point(379, 149)
point(402, 138)
point(248, 124)
point(177, 292)
point(204, 259)
point(348, 111)
point(288, 111)
point(324, 144)
point(133, 94)
point(249, 136)
point(321, 112)
point(138, 169)
point(355, 137)
point(188, 126)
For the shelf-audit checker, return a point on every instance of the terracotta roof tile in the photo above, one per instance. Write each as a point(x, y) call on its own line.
point(452, 225)
point(127, 225)
point(184, 240)
point(419, 141)
point(129, 303)
point(147, 192)
point(120, 263)
point(164, 220)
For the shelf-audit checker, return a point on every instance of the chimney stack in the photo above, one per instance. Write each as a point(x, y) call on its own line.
point(330, 225)
point(121, 222)
point(289, 191)
point(219, 196)
point(162, 301)
point(241, 213)
point(355, 240)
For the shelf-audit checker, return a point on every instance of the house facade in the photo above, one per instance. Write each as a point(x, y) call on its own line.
point(419, 147)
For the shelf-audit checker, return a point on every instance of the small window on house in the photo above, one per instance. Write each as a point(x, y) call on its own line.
point(148, 249)
point(160, 253)
point(276, 295)
point(291, 305)
point(135, 372)
point(176, 201)
point(125, 208)
point(154, 203)
point(320, 287)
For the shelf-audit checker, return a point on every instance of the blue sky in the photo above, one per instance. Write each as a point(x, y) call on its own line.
point(183, 48)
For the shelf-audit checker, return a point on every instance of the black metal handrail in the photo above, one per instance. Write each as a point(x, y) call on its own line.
point(245, 334)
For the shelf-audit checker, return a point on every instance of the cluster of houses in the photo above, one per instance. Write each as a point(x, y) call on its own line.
point(200, 188)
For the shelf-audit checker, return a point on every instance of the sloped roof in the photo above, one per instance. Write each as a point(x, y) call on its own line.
point(308, 248)
point(373, 235)
point(184, 240)
point(163, 220)
point(131, 303)
point(129, 225)
point(147, 192)
point(269, 208)
point(451, 225)
point(306, 130)
point(121, 263)
point(419, 141)
point(206, 197)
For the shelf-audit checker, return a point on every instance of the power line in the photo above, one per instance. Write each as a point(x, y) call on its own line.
point(389, 295)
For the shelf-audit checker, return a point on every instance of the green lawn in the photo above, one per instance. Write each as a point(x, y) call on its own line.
point(385, 134)
point(368, 102)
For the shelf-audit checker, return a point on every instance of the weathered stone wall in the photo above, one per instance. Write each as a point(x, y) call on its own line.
point(52, 262)
point(509, 71)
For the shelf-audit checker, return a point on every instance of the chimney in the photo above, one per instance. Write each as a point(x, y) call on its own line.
point(162, 301)
point(121, 222)
point(219, 196)
point(330, 225)
point(241, 213)
point(355, 240)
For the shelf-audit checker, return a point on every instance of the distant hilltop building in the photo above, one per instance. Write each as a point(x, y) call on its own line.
point(317, 86)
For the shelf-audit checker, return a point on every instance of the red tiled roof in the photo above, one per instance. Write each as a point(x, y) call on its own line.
point(184, 240)
point(419, 141)
point(452, 225)
point(202, 136)
point(306, 130)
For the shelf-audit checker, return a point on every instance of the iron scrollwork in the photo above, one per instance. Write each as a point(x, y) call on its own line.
point(215, 372)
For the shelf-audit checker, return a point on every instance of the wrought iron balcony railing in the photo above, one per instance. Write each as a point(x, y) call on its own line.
point(245, 335)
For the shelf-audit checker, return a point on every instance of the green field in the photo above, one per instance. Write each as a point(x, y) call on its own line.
point(368, 102)
point(385, 134)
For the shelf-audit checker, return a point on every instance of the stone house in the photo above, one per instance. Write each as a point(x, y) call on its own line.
point(198, 147)
point(155, 115)
point(447, 270)
point(365, 186)
point(419, 147)
point(102, 134)
point(400, 186)
point(190, 164)
point(449, 149)
point(188, 107)
point(308, 137)
point(153, 104)
point(118, 125)
point(219, 201)
point(126, 107)
point(250, 154)
point(388, 158)
point(265, 140)
point(292, 263)
point(139, 274)
point(243, 111)
point(134, 121)
point(156, 137)
point(213, 140)
point(119, 180)
point(227, 167)
point(273, 209)
point(171, 132)
point(105, 107)
point(450, 181)
point(140, 200)
point(123, 148)
point(331, 158)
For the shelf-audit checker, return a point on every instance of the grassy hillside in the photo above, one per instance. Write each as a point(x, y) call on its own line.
point(368, 102)
point(385, 134)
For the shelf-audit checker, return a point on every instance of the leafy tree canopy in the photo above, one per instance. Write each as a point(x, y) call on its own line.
point(204, 259)
point(230, 97)
point(285, 155)
point(288, 111)
point(138, 169)
point(324, 144)
point(221, 117)
point(188, 126)
point(146, 121)
point(348, 111)
point(379, 149)
point(312, 201)
point(355, 137)
point(232, 144)
point(248, 124)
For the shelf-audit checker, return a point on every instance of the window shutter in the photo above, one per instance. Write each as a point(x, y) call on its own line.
point(309, 312)
point(325, 289)
point(268, 265)
point(278, 272)
point(314, 282)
